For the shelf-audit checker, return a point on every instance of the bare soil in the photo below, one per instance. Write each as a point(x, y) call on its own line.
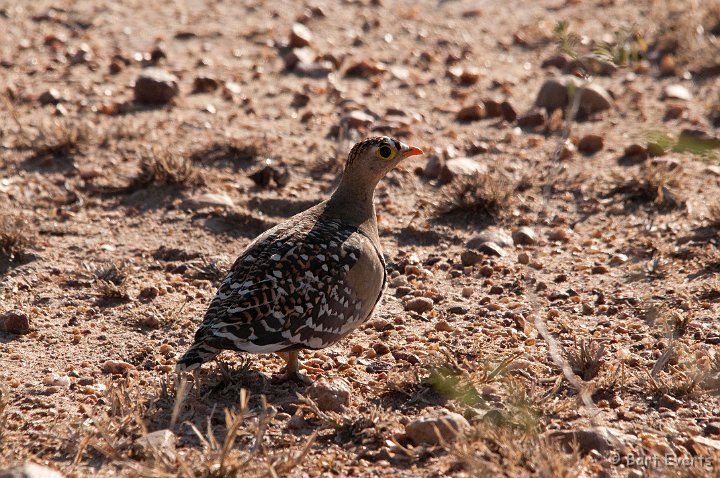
point(607, 323)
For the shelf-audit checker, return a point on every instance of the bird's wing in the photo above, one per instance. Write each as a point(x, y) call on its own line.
point(295, 289)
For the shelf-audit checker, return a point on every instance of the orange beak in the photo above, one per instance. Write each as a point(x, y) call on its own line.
point(411, 151)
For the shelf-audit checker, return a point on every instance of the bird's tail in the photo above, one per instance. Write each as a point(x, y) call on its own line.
point(196, 355)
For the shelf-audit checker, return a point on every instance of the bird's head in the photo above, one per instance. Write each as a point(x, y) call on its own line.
point(374, 157)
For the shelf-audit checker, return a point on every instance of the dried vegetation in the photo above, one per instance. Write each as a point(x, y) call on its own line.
point(16, 237)
point(477, 198)
point(161, 167)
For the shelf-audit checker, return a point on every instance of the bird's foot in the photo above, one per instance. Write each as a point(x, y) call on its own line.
point(295, 377)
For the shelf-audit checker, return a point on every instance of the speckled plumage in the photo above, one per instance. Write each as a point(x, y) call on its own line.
point(307, 282)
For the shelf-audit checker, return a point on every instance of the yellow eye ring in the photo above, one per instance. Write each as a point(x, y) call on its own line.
point(385, 152)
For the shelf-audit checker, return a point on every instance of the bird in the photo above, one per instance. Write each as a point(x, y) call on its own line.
point(309, 281)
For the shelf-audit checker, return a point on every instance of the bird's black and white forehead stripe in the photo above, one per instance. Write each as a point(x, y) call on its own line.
point(362, 146)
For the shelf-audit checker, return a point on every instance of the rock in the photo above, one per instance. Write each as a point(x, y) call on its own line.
point(524, 258)
point(635, 153)
point(299, 58)
point(593, 99)
point(553, 94)
point(155, 86)
point(400, 72)
point(493, 109)
point(618, 259)
point(29, 470)
point(714, 170)
point(492, 249)
point(300, 36)
point(508, 112)
point(491, 234)
point(470, 257)
point(433, 167)
point(381, 348)
point(263, 176)
point(458, 309)
point(524, 236)
point(667, 65)
point(531, 119)
point(434, 430)
point(567, 150)
point(460, 167)
point(205, 84)
point(695, 139)
point(162, 441)
point(464, 76)
point(601, 439)
point(365, 69)
point(14, 322)
point(331, 394)
point(555, 61)
point(471, 113)
point(712, 428)
point(419, 305)
point(209, 200)
point(677, 92)
point(300, 100)
point(407, 357)
point(703, 446)
point(297, 422)
point(50, 97)
point(590, 65)
point(591, 144)
point(444, 326)
point(117, 367)
point(357, 119)
point(673, 111)
point(560, 234)
point(670, 402)
point(316, 69)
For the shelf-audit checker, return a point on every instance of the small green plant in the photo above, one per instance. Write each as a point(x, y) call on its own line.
point(628, 46)
point(688, 141)
point(567, 40)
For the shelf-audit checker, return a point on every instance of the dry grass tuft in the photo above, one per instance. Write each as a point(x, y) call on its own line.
point(656, 185)
point(59, 139)
point(479, 197)
point(676, 383)
point(162, 168)
point(673, 322)
point(116, 431)
point(489, 450)
point(4, 401)
point(684, 29)
point(15, 237)
point(110, 283)
point(235, 152)
point(586, 358)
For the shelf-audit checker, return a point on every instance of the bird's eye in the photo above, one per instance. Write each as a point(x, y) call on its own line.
point(385, 152)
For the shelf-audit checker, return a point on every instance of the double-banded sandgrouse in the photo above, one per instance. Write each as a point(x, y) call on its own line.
point(309, 281)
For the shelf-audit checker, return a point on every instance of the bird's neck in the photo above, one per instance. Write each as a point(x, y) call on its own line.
point(353, 202)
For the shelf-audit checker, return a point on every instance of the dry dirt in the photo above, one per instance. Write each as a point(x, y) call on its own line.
point(592, 351)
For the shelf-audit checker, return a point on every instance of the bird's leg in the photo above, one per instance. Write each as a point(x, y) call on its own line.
point(293, 366)
point(292, 362)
